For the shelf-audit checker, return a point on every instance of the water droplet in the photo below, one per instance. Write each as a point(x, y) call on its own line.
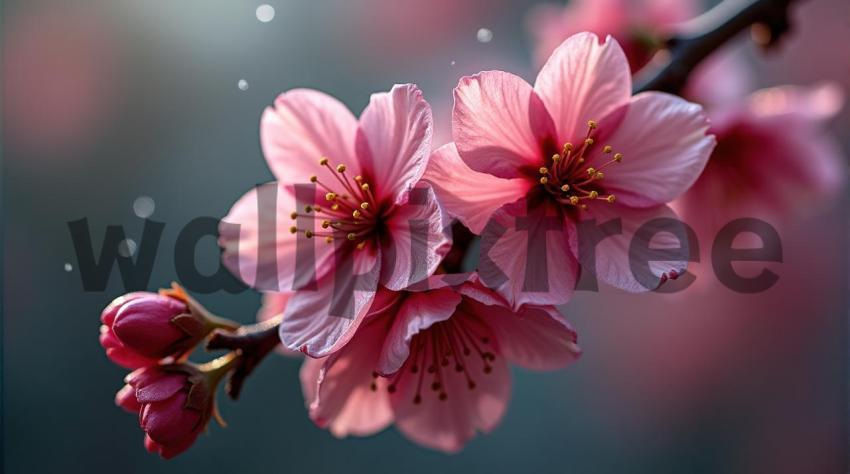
point(144, 206)
point(127, 248)
point(68, 267)
point(243, 85)
point(265, 13)
point(484, 35)
point(454, 62)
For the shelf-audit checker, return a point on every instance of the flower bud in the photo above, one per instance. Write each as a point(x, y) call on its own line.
point(141, 328)
point(174, 402)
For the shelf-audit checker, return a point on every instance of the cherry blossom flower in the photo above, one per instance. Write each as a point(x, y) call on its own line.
point(773, 159)
point(529, 165)
point(435, 363)
point(345, 215)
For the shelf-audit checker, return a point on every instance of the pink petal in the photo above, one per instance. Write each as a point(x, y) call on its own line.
point(303, 126)
point(469, 195)
point(665, 147)
point(126, 399)
point(418, 312)
point(160, 388)
point(260, 250)
point(816, 103)
point(613, 253)
point(583, 80)
point(169, 422)
point(394, 140)
point(120, 354)
point(447, 425)
point(535, 337)
point(319, 321)
point(273, 305)
point(339, 393)
point(528, 263)
point(418, 240)
point(498, 123)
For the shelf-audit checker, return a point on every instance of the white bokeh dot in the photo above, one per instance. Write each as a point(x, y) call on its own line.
point(265, 13)
point(242, 84)
point(68, 267)
point(127, 248)
point(144, 206)
point(484, 35)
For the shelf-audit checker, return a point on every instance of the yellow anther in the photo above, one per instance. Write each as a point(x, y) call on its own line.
point(358, 178)
point(618, 157)
point(293, 215)
point(556, 157)
point(592, 124)
point(361, 245)
point(607, 149)
point(573, 200)
point(591, 171)
point(364, 186)
point(314, 178)
point(565, 188)
point(611, 198)
point(351, 236)
point(326, 224)
point(544, 170)
point(330, 196)
point(323, 161)
point(356, 214)
point(544, 180)
point(599, 175)
point(588, 142)
point(293, 230)
point(364, 205)
point(568, 146)
point(308, 234)
point(329, 239)
point(340, 168)
point(593, 195)
point(335, 207)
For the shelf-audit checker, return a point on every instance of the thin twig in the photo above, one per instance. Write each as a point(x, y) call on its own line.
point(252, 344)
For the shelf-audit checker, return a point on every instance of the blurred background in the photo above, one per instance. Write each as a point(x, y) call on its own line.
point(120, 110)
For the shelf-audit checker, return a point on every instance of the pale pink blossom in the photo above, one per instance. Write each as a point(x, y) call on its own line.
point(536, 162)
point(345, 215)
point(434, 363)
point(774, 159)
point(638, 25)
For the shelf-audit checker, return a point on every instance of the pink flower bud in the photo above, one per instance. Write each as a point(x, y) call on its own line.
point(141, 328)
point(174, 402)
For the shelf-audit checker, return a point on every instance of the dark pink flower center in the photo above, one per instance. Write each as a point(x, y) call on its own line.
point(569, 177)
point(460, 346)
point(349, 211)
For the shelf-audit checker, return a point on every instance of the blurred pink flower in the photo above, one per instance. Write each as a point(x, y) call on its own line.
point(174, 403)
point(435, 363)
point(773, 159)
point(531, 161)
point(638, 25)
point(352, 184)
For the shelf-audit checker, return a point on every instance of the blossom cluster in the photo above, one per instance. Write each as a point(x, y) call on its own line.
point(350, 244)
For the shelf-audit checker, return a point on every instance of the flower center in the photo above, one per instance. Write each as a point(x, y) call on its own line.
point(349, 212)
point(457, 347)
point(571, 180)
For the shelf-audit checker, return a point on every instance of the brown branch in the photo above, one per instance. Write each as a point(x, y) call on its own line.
point(705, 34)
point(251, 343)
